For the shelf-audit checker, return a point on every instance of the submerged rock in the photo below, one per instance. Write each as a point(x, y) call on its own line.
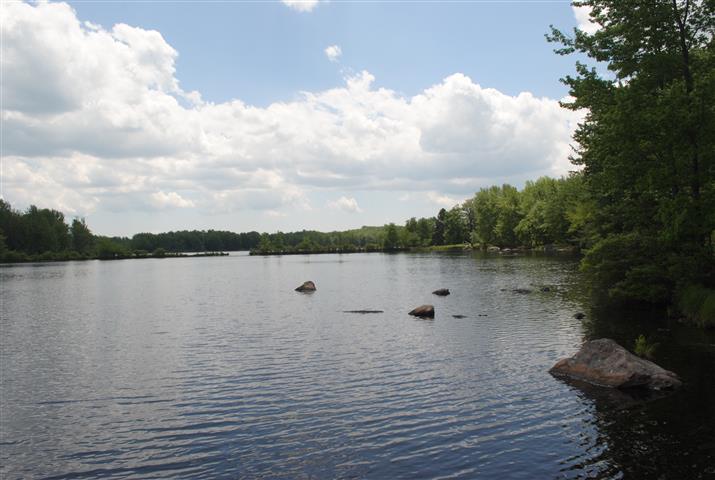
point(363, 311)
point(523, 291)
point(442, 292)
point(425, 311)
point(579, 316)
point(459, 316)
point(603, 362)
point(306, 287)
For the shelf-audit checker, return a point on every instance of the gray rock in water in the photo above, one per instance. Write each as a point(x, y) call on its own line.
point(459, 316)
point(603, 362)
point(442, 292)
point(523, 291)
point(306, 287)
point(363, 311)
point(579, 316)
point(424, 311)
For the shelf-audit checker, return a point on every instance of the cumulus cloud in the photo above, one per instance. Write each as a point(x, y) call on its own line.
point(170, 200)
point(96, 118)
point(444, 201)
point(333, 52)
point(583, 19)
point(301, 5)
point(346, 204)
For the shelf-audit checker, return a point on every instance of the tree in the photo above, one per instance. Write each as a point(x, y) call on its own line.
point(438, 235)
point(647, 145)
point(82, 238)
point(485, 207)
point(508, 216)
point(425, 230)
point(455, 226)
point(392, 240)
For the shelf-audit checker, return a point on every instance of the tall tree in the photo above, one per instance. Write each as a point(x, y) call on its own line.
point(647, 144)
point(455, 226)
point(82, 238)
point(438, 235)
point(392, 239)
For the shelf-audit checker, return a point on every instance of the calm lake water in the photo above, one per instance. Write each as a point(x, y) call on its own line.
point(216, 368)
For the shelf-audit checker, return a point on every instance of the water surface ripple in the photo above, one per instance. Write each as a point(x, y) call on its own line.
point(216, 368)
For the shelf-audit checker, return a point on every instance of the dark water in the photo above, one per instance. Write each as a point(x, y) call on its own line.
point(216, 368)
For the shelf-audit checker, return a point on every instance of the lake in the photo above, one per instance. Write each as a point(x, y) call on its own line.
point(216, 368)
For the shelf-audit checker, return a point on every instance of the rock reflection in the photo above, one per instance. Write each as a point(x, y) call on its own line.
point(654, 434)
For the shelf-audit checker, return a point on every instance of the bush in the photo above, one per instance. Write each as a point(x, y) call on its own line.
point(644, 348)
point(697, 303)
point(628, 269)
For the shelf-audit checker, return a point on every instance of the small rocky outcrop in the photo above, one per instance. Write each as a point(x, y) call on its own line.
point(423, 311)
point(363, 311)
point(306, 287)
point(459, 316)
point(603, 362)
point(579, 316)
point(442, 292)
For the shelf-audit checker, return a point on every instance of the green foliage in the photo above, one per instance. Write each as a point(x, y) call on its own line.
point(108, 249)
point(647, 146)
point(628, 267)
point(438, 234)
point(697, 303)
point(644, 348)
point(82, 238)
point(455, 226)
point(392, 240)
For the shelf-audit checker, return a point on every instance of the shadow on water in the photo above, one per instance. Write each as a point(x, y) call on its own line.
point(662, 435)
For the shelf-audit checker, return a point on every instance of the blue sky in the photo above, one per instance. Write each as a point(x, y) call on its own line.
point(155, 116)
point(262, 52)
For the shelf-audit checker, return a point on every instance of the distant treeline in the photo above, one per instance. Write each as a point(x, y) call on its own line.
point(44, 235)
point(547, 211)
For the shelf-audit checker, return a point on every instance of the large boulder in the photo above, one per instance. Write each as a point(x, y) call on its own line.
point(603, 362)
point(306, 287)
point(424, 311)
point(442, 292)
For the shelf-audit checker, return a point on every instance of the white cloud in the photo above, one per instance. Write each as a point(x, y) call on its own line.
point(333, 52)
point(163, 200)
point(346, 204)
point(442, 200)
point(301, 5)
point(583, 19)
point(95, 118)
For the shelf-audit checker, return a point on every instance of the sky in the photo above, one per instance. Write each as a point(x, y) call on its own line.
point(167, 115)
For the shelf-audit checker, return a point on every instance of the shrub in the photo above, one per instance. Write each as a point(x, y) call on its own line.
point(644, 348)
point(697, 303)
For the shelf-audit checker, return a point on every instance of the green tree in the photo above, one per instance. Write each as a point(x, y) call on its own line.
point(82, 238)
point(426, 230)
point(455, 226)
point(485, 206)
point(392, 239)
point(647, 145)
point(438, 235)
point(108, 249)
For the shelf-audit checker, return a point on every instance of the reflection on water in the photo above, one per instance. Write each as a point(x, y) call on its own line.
point(216, 368)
